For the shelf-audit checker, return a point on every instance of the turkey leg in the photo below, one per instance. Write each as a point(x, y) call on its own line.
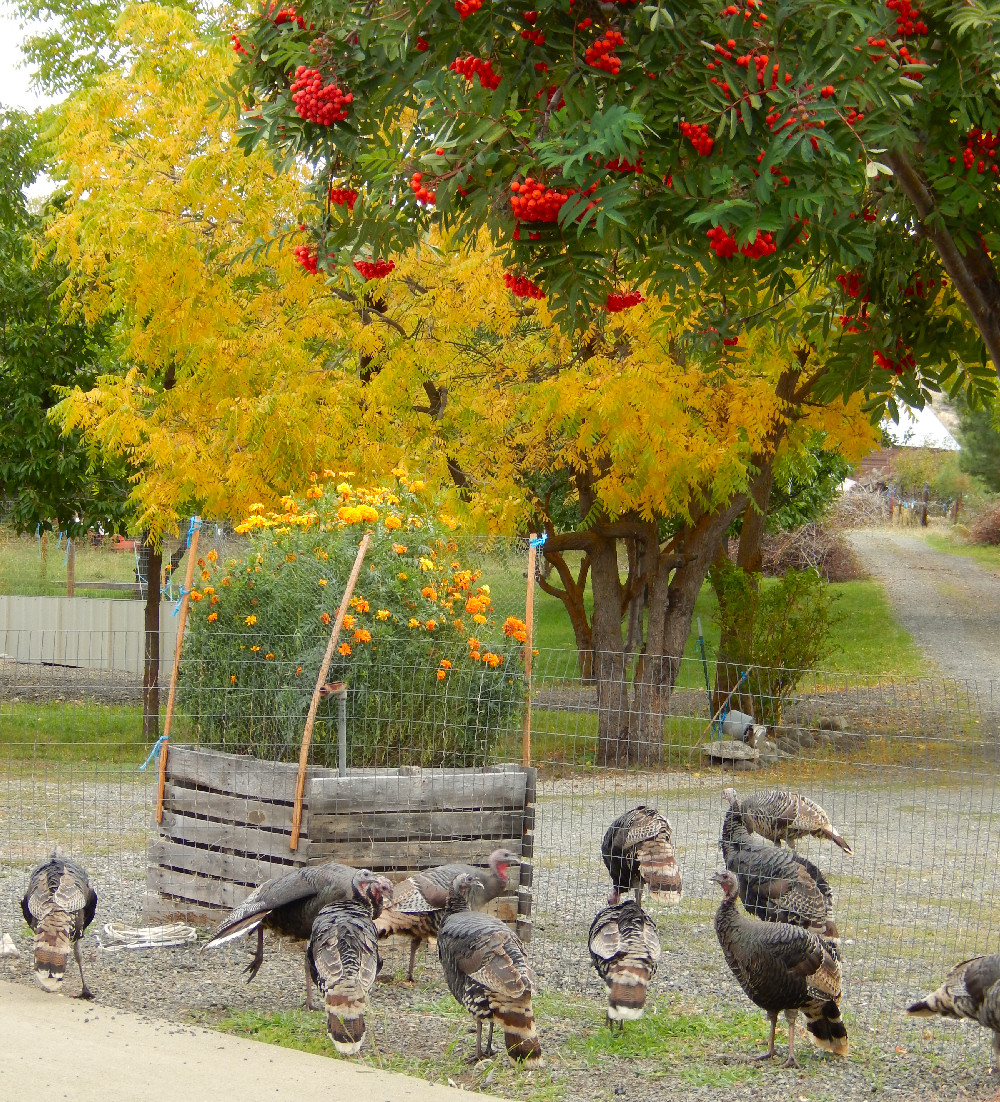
point(257, 959)
point(309, 986)
point(791, 1062)
point(85, 993)
point(414, 946)
point(773, 1015)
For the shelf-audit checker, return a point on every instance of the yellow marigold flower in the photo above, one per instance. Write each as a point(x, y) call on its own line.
point(485, 590)
point(227, 580)
point(416, 487)
point(344, 649)
point(399, 548)
point(257, 507)
point(398, 472)
point(402, 577)
point(208, 590)
point(413, 622)
point(268, 656)
point(366, 512)
point(348, 622)
point(290, 557)
point(474, 643)
point(392, 523)
point(344, 489)
point(362, 635)
point(312, 476)
point(429, 592)
point(327, 473)
point(479, 618)
point(195, 595)
point(459, 626)
point(445, 664)
point(426, 564)
point(322, 581)
point(201, 563)
point(289, 505)
point(213, 555)
point(255, 649)
point(205, 575)
point(448, 522)
point(212, 617)
point(414, 522)
point(232, 679)
point(360, 604)
point(441, 675)
point(215, 600)
point(383, 614)
point(250, 621)
point(431, 625)
point(325, 618)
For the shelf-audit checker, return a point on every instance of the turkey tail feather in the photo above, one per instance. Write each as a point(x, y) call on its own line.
point(936, 1003)
point(627, 994)
point(238, 929)
point(518, 1024)
point(345, 1024)
point(839, 840)
point(659, 868)
point(828, 1031)
point(53, 945)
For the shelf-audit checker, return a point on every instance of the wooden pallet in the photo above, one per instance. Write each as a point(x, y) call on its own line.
point(227, 826)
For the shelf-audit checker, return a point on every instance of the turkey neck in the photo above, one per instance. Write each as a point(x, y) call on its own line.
point(735, 835)
point(727, 918)
point(456, 904)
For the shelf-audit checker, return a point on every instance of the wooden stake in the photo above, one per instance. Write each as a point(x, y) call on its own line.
point(70, 569)
point(529, 620)
point(324, 669)
point(185, 591)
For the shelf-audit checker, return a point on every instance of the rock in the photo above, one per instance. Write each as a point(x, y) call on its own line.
point(729, 752)
point(7, 947)
point(832, 723)
point(805, 739)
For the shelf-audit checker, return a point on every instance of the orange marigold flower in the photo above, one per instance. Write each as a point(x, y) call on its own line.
point(290, 557)
point(322, 581)
point(208, 591)
point(459, 626)
point(516, 629)
point(474, 656)
point(360, 604)
point(255, 649)
point(201, 562)
point(212, 617)
point(479, 618)
point(392, 523)
point(402, 577)
point(344, 649)
point(325, 618)
point(429, 592)
point(413, 622)
point(213, 555)
point(298, 671)
point(232, 679)
point(269, 655)
point(431, 625)
point(362, 635)
point(250, 621)
point(348, 622)
point(441, 675)
point(383, 614)
point(215, 600)
point(399, 548)
point(226, 581)
point(195, 595)
point(474, 643)
point(205, 575)
point(445, 664)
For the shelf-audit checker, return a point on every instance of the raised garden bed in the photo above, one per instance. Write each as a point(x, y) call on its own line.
point(227, 824)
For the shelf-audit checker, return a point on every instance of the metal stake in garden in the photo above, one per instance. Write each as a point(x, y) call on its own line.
point(529, 620)
point(324, 669)
point(192, 555)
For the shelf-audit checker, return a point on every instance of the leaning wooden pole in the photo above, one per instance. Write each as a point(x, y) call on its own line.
point(529, 620)
point(324, 669)
point(192, 555)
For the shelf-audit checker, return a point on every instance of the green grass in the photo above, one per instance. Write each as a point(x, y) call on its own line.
point(951, 543)
point(67, 732)
point(25, 571)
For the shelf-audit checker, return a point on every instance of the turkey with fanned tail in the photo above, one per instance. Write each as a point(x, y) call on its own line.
point(58, 906)
point(342, 959)
point(638, 850)
point(625, 950)
point(783, 968)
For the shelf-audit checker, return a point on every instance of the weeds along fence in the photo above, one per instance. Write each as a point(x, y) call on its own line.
point(906, 770)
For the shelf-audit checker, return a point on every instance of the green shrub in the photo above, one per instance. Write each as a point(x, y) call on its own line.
point(780, 627)
point(432, 677)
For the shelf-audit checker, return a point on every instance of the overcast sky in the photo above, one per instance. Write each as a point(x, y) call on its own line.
point(13, 79)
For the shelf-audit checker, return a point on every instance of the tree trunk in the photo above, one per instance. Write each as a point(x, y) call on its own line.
point(613, 734)
point(151, 649)
point(571, 595)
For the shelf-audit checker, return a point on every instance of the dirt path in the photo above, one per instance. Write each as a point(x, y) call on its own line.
point(948, 603)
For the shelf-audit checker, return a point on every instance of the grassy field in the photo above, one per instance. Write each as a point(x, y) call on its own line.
point(85, 734)
point(29, 568)
point(951, 543)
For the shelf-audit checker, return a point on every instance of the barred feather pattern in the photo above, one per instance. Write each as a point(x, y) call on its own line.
point(638, 850)
point(777, 885)
point(487, 971)
point(787, 968)
point(342, 956)
point(625, 951)
point(784, 816)
point(58, 905)
point(970, 990)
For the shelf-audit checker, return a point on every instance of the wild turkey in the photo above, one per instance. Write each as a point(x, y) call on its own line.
point(777, 885)
point(785, 816)
point(970, 990)
point(418, 902)
point(488, 973)
point(342, 958)
point(58, 906)
point(625, 949)
point(289, 905)
point(783, 968)
point(638, 850)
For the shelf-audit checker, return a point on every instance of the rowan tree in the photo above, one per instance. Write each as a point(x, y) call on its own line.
point(618, 148)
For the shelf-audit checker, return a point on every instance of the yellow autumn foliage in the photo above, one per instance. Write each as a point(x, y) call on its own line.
point(272, 373)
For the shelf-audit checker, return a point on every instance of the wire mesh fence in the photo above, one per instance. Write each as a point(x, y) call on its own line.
point(434, 762)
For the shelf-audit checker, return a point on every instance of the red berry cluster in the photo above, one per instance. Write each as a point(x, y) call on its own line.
point(521, 286)
point(920, 288)
point(287, 15)
point(374, 269)
point(615, 303)
point(902, 361)
point(472, 67)
point(534, 202)
point(422, 194)
point(306, 256)
point(723, 244)
point(533, 36)
point(237, 45)
point(749, 12)
point(730, 342)
point(980, 151)
point(697, 134)
point(762, 245)
point(317, 103)
point(465, 8)
point(422, 43)
point(620, 164)
point(908, 21)
point(850, 284)
point(343, 197)
point(600, 52)
point(530, 17)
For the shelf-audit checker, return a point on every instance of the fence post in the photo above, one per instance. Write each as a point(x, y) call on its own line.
point(70, 568)
point(926, 499)
point(168, 719)
point(529, 620)
point(324, 669)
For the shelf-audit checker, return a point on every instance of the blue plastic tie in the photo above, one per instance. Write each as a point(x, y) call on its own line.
point(152, 754)
point(59, 541)
point(538, 541)
point(192, 528)
point(68, 542)
point(180, 597)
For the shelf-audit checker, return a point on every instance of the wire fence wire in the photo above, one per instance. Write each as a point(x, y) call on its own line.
point(906, 770)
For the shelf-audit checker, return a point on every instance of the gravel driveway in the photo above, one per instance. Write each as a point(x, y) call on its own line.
point(948, 603)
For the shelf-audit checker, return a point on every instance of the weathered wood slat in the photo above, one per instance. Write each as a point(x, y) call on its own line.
point(407, 855)
point(228, 809)
point(430, 790)
point(239, 839)
point(383, 826)
point(199, 889)
point(161, 908)
point(527, 877)
point(233, 775)
point(527, 848)
point(210, 862)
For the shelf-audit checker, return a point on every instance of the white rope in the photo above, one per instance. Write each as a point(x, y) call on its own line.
point(146, 937)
